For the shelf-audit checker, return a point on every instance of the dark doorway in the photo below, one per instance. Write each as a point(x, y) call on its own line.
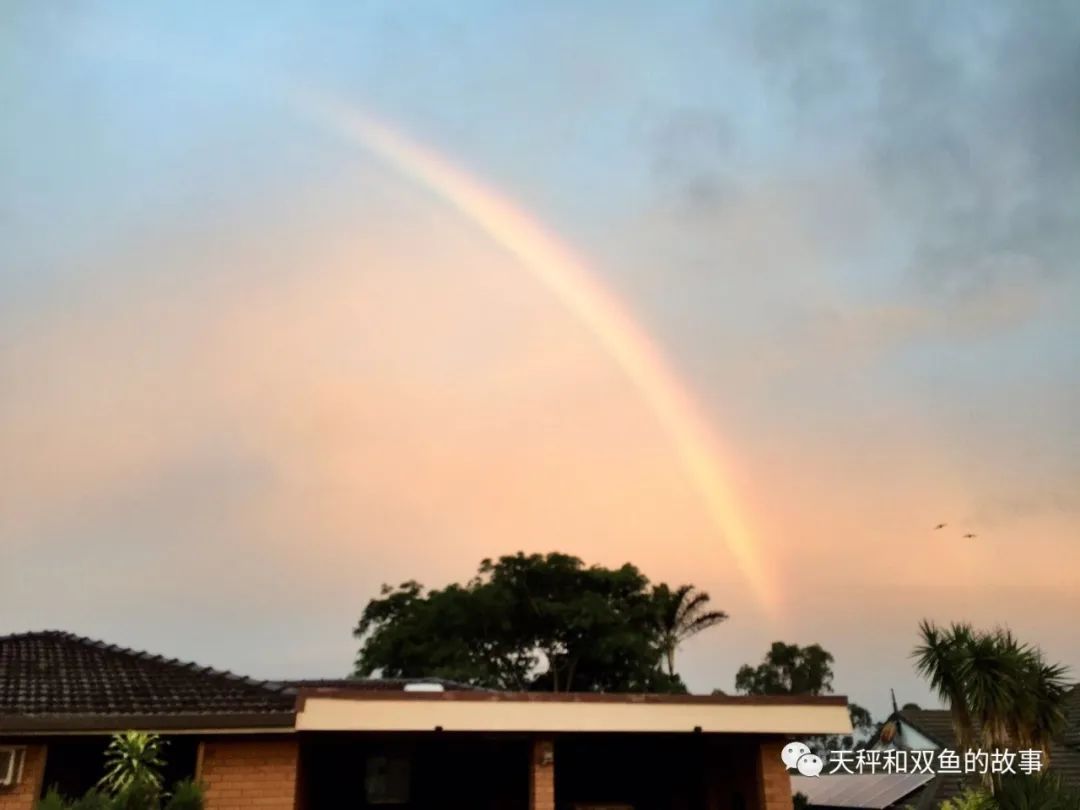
point(645, 772)
point(415, 772)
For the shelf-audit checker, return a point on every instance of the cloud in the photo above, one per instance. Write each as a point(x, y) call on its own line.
point(691, 150)
point(967, 119)
point(928, 154)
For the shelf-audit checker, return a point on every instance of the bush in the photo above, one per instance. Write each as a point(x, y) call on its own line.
point(52, 801)
point(970, 800)
point(93, 799)
point(186, 795)
point(137, 796)
point(1044, 791)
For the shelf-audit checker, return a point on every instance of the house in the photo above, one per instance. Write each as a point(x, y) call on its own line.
point(365, 743)
point(913, 729)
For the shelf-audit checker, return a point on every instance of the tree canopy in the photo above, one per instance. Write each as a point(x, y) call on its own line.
point(788, 669)
point(532, 622)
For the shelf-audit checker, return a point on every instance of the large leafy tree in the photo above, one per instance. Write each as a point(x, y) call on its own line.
point(682, 613)
point(462, 632)
point(524, 622)
point(788, 669)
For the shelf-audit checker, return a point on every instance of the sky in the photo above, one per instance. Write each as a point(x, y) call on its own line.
point(252, 368)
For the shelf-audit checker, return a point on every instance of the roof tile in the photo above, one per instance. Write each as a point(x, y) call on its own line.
point(54, 673)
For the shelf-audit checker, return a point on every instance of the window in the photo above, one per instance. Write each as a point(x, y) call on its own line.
point(11, 761)
point(387, 780)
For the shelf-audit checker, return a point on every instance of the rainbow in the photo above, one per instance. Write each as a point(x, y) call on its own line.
point(566, 275)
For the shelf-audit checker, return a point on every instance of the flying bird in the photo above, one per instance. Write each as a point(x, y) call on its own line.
point(970, 536)
point(940, 526)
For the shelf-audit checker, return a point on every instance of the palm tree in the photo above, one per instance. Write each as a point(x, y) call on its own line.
point(1044, 704)
point(995, 686)
point(994, 670)
point(681, 614)
point(133, 764)
point(940, 659)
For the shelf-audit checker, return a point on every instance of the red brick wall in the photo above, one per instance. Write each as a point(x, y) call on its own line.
point(542, 776)
point(774, 783)
point(244, 774)
point(23, 795)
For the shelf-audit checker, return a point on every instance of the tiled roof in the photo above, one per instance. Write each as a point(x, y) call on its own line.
point(934, 723)
point(937, 724)
point(53, 679)
point(1072, 728)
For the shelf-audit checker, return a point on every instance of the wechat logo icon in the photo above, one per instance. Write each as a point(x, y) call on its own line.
point(798, 756)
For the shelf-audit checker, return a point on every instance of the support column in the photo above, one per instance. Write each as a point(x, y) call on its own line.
point(245, 774)
point(774, 783)
point(542, 774)
point(23, 795)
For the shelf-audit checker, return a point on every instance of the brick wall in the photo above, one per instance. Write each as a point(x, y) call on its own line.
point(774, 783)
point(542, 776)
point(23, 795)
point(244, 774)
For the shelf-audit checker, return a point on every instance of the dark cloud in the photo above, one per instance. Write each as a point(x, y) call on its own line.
point(967, 118)
point(691, 150)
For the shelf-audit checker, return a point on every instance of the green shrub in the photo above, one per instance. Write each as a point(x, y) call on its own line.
point(137, 796)
point(1044, 791)
point(93, 799)
point(1038, 792)
point(52, 801)
point(186, 795)
point(970, 800)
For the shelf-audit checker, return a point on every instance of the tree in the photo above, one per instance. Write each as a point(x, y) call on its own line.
point(788, 669)
point(681, 614)
point(463, 633)
point(133, 765)
point(863, 728)
point(941, 660)
point(524, 622)
point(861, 721)
point(1000, 692)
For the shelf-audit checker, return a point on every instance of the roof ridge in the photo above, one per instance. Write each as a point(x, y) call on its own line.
point(189, 666)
